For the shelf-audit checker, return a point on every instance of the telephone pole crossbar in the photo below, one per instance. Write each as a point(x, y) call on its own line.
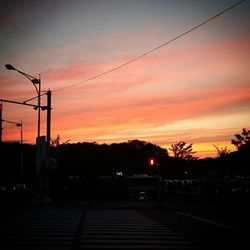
point(22, 103)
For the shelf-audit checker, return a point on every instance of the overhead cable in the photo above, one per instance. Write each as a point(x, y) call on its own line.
point(152, 50)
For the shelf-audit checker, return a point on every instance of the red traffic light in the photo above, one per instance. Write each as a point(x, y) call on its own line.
point(152, 162)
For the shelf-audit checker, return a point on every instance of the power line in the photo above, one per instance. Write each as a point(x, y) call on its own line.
point(154, 49)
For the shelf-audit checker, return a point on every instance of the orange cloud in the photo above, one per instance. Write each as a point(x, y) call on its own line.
point(174, 84)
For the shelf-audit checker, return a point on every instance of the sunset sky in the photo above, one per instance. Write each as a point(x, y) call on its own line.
point(195, 89)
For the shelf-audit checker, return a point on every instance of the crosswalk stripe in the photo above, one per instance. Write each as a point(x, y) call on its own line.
point(127, 229)
point(42, 229)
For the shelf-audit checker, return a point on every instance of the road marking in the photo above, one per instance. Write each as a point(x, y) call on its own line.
point(213, 222)
point(128, 229)
point(40, 229)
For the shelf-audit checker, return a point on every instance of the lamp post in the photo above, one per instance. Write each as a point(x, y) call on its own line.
point(20, 126)
point(1, 111)
point(35, 82)
point(40, 142)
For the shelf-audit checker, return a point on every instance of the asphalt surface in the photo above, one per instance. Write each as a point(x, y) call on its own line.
point(208, 225)
point(129, 225)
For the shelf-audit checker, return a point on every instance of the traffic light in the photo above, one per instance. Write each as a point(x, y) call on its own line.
point(152, 162)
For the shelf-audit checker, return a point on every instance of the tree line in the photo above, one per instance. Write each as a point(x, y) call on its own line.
point(128, 158)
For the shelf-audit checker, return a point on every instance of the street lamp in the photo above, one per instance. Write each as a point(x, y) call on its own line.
point(35, 82)
point(40, 140)
point(20, 126)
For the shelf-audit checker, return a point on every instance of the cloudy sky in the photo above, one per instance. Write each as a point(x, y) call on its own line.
point(195, 89)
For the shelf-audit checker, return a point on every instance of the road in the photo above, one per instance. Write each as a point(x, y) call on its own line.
point(41, 229)
point(208, 226)
point(127, 226)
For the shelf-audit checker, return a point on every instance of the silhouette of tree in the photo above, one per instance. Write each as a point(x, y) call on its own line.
point(222, 152)
point(182, 152)
point(242, 140)
point(94, 159)
point(55, 142)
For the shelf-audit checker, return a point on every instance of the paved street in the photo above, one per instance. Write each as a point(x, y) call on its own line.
point(127, 226)
point(41, 229)
point(208, 225)
point(127, 229)
point(91, 229)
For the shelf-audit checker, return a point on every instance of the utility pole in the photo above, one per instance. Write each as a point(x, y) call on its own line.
point(41, 140)
point(1, 154)
point(48, 123)
point(46, 178)
point(1, 120)
point(39, 143)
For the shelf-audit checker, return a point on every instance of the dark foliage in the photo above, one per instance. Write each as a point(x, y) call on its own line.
point(242, 141)
point(93, 160)
point(183, 151)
